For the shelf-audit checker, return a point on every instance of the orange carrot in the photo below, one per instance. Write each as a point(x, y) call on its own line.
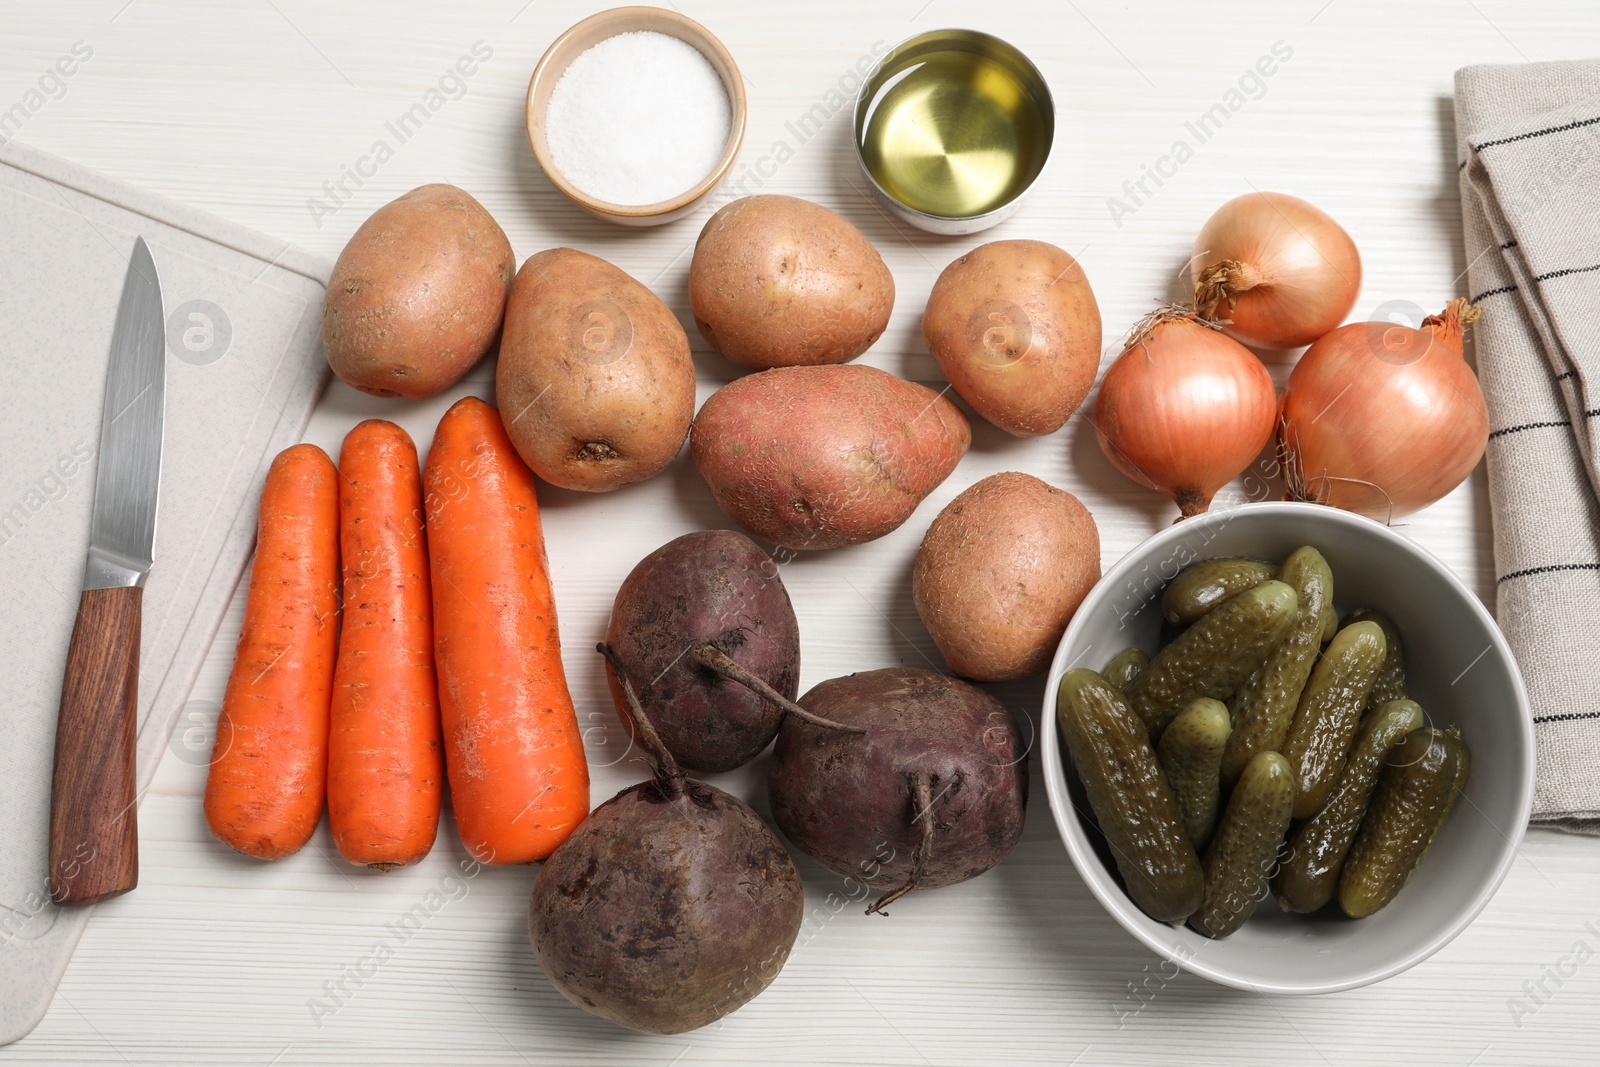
point(519, 783)
point(269, 768)
point(385, 771)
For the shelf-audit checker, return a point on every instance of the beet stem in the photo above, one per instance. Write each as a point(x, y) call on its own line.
point(668, 773)
point(712, 658)
point(922, 814)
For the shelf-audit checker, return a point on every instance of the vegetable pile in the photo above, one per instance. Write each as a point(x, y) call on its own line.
point(1263, 722)
point(364, 727)
point(1245, 753)
point(1378, 417)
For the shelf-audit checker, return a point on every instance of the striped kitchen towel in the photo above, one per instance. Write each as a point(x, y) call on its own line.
point(1528, 139)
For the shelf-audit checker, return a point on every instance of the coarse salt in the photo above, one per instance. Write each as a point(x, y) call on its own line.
point(638, 118)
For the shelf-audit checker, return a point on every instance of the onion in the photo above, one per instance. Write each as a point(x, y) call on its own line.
point(1384, 419)
point(1184, 409)
point(1275, 271)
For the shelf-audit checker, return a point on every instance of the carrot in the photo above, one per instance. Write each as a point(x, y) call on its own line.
point(269, 768)
point(519, 783)
point(385, 771)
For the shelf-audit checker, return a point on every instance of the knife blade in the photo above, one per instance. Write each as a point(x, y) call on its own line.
point(93, 819)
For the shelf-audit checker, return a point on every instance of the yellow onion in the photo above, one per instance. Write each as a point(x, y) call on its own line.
point(1184, 409)
point(1384, 419)
point(1275, 271)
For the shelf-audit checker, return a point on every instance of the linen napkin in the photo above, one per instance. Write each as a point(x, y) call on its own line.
point(1528, 140)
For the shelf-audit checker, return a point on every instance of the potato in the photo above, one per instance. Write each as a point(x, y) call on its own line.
point(595, 383)
point(417, 295)
point(1016, 330)
point(1001, 572)
point(819, 457)
point(782, 282)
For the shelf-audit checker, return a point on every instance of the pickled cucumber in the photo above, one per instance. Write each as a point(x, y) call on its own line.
point(1421, 778)
point(1310, 875)
point(1201, 586)
point(1125, 667)
point(1330, 710)
point(1190, 755)
point(1129, 796)
point(1390, 684)
point(1244, 852)
point(1215, 656)
point(1264, 706)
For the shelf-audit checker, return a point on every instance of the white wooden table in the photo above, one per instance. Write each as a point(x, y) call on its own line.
point(257, 111)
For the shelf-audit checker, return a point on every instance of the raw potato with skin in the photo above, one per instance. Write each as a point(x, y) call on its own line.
point(595, 382)
point(781, 282)
point(1001, 572)
point(1016, 330)
point(821, 457)
point(417, 296)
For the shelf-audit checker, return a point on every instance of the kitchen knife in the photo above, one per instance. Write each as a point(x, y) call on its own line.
point(94, 841)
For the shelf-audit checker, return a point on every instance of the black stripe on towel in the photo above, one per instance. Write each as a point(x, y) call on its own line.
point(1528, 426)
point(1487, 293)
point(1508, 244)
point(1577, 125)
point(1564, 273)
point(1549, 569)
point(1569, 717)
point(1564, 377)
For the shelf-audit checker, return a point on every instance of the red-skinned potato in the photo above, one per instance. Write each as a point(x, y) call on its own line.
point(1001, 572)
point(417, 296)
point(781, 282)
point(595, 381)
point(821, 457)
point(1016, 330)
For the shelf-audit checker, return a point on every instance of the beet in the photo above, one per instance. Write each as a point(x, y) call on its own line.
point(932, 794)
point(703, 626)
point(670, 906)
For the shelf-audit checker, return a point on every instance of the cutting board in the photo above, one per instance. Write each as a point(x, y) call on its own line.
point(244, 368)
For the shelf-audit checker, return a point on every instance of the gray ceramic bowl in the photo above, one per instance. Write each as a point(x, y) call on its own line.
point(1461, 672)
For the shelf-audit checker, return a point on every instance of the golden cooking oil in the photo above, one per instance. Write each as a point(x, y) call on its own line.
point(957, 134)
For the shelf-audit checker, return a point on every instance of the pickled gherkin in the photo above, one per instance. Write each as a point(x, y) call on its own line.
point(1125, 667)
point(1330, 711)
point(1190, 754)
point(1310, 876)
point(1202, 586)
point(1130, 796)
point(1244, 853)
point(1264, 707)
point(1275, 739)
point(1390, 684)
point(1421, 778)
point(1215, 656)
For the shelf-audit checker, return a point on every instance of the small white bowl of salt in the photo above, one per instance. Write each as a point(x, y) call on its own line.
point(636, 113)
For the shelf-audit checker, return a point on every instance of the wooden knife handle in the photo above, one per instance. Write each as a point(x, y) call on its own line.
point(94, 837)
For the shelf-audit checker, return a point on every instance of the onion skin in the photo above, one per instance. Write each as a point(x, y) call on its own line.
point(1384, 419)
point(1275, 271)
point(1184, 410)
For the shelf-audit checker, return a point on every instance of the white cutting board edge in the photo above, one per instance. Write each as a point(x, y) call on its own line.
point(25, 1001)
